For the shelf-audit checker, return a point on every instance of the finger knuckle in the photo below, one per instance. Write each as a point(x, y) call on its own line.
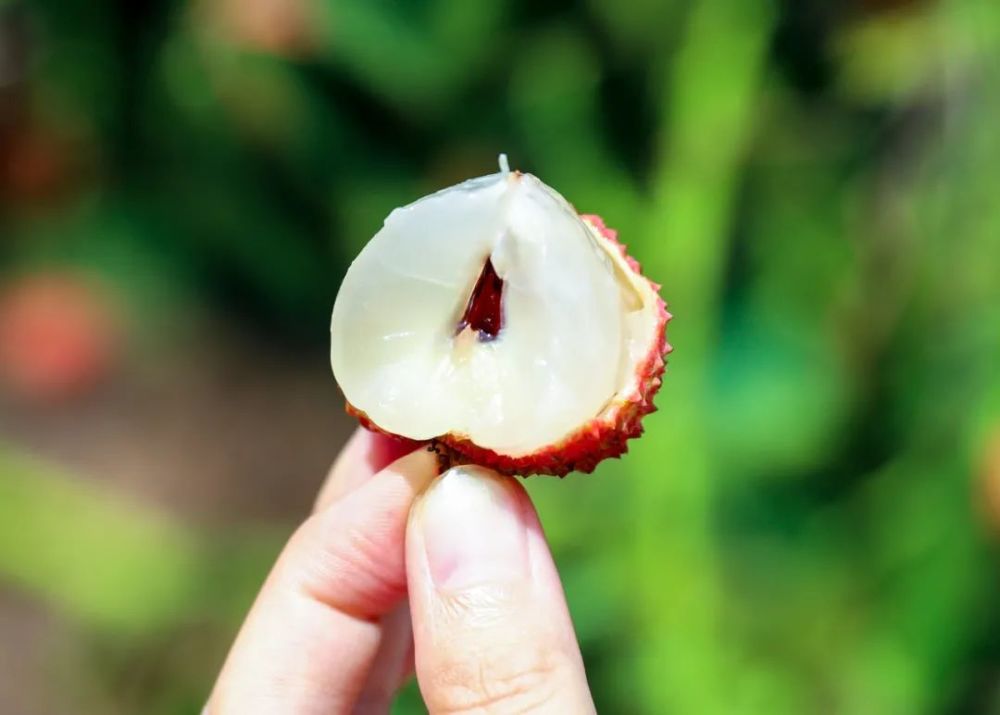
point(353, 556)
point(506, 680)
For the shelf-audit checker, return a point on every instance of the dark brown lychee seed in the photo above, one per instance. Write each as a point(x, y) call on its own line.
point(484, 312)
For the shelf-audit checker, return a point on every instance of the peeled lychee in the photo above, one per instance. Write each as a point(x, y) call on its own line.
point(493, 321)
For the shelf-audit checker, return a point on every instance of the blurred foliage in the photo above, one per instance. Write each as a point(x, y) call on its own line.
point(809, 523)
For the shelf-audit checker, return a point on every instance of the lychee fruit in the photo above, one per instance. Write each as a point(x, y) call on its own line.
point(494, 322)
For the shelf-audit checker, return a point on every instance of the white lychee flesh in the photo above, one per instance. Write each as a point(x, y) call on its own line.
point(577, 320)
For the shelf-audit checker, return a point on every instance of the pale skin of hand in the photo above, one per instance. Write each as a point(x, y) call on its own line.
point(400, 570)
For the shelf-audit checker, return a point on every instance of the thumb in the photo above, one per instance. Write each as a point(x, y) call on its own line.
point(490, 625)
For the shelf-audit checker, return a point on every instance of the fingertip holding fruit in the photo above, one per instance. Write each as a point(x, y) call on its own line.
point(492, 321)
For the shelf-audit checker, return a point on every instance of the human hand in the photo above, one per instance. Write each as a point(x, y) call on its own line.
point(486, 626)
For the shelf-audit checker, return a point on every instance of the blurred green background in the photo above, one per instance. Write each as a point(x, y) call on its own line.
point(809, 524)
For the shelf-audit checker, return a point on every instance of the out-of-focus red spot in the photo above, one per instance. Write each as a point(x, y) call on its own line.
point(58, 336)
point(34, 165)
point(284, 28)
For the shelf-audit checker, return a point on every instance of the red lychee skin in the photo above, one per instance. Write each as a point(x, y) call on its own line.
point(605, 436)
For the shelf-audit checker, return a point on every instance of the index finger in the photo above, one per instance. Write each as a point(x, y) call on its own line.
point(312, 635)
point(365, 453)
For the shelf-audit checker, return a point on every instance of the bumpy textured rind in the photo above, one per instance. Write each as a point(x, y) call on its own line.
point(605, 436)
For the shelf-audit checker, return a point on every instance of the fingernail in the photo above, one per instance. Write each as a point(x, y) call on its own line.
point(474, 530)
